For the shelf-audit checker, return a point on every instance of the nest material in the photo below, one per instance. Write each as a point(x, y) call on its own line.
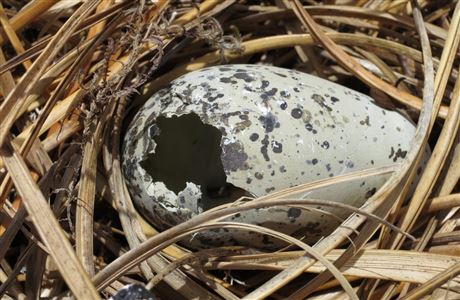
point(68, 76)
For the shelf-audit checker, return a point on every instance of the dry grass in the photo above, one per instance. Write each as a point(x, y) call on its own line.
point(68, 77)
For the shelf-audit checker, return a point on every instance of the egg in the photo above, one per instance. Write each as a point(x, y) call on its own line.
point(224, 132)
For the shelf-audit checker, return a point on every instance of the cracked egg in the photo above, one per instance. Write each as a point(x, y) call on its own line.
point(220, 133)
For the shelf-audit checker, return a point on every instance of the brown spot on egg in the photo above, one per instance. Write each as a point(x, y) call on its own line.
point(321, 101)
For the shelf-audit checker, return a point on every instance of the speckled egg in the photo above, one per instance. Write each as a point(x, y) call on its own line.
point(220, 133)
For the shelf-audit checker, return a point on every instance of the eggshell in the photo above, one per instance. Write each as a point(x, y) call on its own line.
point(223, 132)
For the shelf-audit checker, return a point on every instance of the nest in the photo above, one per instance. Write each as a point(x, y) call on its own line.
point(71, 71)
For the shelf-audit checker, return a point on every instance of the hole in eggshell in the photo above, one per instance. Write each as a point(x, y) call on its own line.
point(187, 150)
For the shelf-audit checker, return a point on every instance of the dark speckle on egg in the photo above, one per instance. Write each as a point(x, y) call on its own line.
point(285, 94)
point(365, 121)
point(277, 147)
point(265, 84)
point(399, 154)
point(392, 152)
point(272, 92)
point(370, 193)
point(133, 292)
point(270, 189)
point(248, 88)
point(296, 113)
point(244, 76)
point(325, 145)
point(283, 105)
point(234, 157)
point(226, 80)
point(314, 161)
point(268, 122)
point(350, 164)
point(321, 102)
point(293, 213)
point(264, 149)
point(279, 74)
point(258, 175)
